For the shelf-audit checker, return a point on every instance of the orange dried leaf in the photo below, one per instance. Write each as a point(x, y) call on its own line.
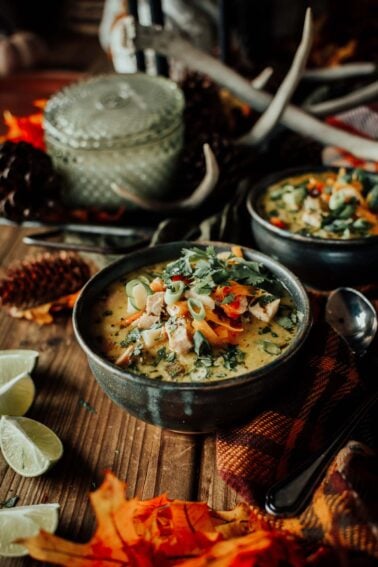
point(44, 314)
point(26, 128)
point(165, 533)
point(259, 549)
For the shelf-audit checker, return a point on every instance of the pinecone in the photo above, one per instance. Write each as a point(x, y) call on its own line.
point(29, 185)
point(43, 278)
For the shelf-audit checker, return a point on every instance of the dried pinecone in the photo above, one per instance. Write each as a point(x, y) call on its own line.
point(29, 186)
point(43, 278)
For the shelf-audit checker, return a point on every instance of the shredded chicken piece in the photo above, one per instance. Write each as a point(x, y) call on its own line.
point(152, 336)
point(178, 339)
point(313, 219)
point(155, 303)
point(265, 312)
point(145, 321)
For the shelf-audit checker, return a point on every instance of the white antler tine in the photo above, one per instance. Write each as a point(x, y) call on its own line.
point(198, 196)
point(271, 116)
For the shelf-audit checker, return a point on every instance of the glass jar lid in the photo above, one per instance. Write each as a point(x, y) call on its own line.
point(114, 110)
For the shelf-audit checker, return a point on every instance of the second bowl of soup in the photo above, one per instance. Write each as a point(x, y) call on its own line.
point(192, 337)
point(322, 223)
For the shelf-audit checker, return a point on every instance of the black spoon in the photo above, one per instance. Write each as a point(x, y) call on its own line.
point(354, 319)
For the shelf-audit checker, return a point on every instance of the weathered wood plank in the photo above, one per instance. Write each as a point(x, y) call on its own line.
point(150, 459)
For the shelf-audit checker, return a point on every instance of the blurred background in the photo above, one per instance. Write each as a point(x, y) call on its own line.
point(76, 34)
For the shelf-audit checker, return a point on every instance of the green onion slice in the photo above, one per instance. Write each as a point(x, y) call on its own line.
point(196, 309)
point(132, 283)
point(174, 292)
point(130, 286)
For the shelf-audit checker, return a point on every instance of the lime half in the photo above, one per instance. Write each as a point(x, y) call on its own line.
point(25, 521)
point(29, 447)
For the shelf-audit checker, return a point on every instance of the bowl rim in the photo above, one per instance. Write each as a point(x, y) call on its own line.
point(254, 375)
point(258, 188)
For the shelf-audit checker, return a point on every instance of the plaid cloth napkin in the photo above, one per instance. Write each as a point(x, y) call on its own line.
point(321, 393)
point(363, 121)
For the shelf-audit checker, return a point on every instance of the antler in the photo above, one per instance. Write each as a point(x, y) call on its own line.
point(170, 44)
point(271, 116)
point(194, 200)
point(364, 94)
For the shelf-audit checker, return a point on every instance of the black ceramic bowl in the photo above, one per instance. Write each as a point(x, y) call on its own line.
point(187, 407)
point(323, 263)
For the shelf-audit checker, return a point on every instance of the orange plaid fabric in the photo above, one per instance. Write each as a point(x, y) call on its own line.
point(324, 390)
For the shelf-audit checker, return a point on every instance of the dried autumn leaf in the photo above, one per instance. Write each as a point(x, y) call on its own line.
point(44, 314)
point(162, 532)
point(260, 549)
point(26, 128)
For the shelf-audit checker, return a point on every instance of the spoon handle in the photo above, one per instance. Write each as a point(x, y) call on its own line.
point(290, 496)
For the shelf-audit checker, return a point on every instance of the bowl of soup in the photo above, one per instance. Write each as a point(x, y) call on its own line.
point(322, 223)
point(192, 336)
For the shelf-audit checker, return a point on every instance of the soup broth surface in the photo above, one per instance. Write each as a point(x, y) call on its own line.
point(196, 336)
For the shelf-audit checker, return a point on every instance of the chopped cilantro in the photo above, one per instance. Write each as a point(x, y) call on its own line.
point(132, 337)
point(285, 322)
point(162, 354)
point(10, 502)
point(171, 356)
point(201, 344)
point(233, 357)
point(86, 406)
point(264, 330)
point(270, 348)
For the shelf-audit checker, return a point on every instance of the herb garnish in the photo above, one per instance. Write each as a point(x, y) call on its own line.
point(10, 502)
point(205, 271)
point(233, 357)
point(132, 337)
point(271, 348)
point(86, 406)
point(201, 344)
point(162, 354)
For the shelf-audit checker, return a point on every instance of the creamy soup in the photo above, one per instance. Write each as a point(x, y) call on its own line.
point(326, 205)
point(204, 316)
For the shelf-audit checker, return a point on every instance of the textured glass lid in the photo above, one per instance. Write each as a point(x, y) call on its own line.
point(111, 109)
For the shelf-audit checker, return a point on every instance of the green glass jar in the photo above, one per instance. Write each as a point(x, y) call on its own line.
point(115, 130)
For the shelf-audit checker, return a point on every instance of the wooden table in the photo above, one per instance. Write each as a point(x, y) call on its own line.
point(150, 459)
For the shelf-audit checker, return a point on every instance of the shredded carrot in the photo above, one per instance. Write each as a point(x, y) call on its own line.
point(364, 213)
point(225, 336)
point(240, 289)
point(237, 251)
point(182, 308)
point(131, 319)
point(211, 316)
point(207, 331)
point(235, 288)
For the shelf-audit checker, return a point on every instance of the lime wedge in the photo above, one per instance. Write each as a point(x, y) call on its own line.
point(25, 521)
point(15, 362)
point(17, 389)
point(29, 447)
point(16, 395)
